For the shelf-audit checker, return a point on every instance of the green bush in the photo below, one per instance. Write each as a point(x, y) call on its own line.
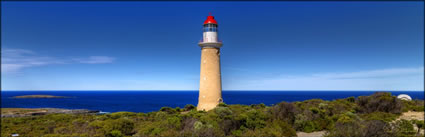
point(168, 110)
point(420, 124)
point(223, 111)
point(222, 104)
point(403, 128)
point(413, 105)
point(284, 111)
point(189, 107)
point(115, 133)
point(258, 106)
point(383, 116)
point(174, 122)
point(380, 101)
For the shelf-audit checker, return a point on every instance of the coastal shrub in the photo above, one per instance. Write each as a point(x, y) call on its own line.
point(351, 99)
point(209, 131)
point(300, 122)
point(153, 129)
point(121, 114)
point(379, 101)
point(198, 125)
point(115, 133)
point(284, 111)
point(222, 104)
point(238, 109)
point(345, 127)
point(403, 128)
point(383, 116)
point(211, 119)
point(188, 123)
point(223, 111)
point(58, 135)
point(419, 124)
point(169, 110)
point(371, 128)
point(274, 129)
point(258, 106)
point(124, 125)
point(413, 105)
point(158, 116)
point(254, 119)
point(339, 106)
point(189, 107)
point(361, 128)
point(278, 129)
point(230, 125)
point(178, 109)
point(174, 122)
point(314, 110)
point(375, 128)
point(284, 128)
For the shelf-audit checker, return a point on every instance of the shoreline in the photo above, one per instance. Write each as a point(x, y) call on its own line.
point(23, 112)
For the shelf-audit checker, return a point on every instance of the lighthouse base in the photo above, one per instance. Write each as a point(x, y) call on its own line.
point(210, 79)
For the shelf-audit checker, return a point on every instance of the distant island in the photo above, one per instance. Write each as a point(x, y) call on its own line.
point(380, 114)
point(39, 96)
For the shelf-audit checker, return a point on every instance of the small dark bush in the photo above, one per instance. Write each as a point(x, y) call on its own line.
point(222, 104)
point(168, 110)
point(284, 111)
point(258, 106)
point(359, 128)
point(189, 107)
point(351, 99)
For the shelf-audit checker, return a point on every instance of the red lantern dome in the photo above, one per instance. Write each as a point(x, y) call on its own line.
point(210, 19)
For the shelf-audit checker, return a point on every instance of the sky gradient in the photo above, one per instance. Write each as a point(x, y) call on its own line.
point(267, 45)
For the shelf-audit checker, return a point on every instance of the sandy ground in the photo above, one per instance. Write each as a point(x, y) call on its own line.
point(312, 134)
point(412, 115)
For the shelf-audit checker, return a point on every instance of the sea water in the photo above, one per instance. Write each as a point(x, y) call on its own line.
point(147, 101)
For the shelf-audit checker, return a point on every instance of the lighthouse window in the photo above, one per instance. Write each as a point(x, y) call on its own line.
point(210, 28)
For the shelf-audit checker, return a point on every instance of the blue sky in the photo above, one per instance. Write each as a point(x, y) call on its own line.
point(267, 45)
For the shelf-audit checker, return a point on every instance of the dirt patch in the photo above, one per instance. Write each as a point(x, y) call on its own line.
point(312, 134)
point(412, 115)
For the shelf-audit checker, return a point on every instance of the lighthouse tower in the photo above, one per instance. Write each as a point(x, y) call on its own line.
point(210, 82)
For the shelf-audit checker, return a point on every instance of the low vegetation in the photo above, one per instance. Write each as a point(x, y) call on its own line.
point(366, 116)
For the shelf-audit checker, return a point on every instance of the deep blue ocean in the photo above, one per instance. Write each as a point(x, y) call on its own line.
point(147, 101)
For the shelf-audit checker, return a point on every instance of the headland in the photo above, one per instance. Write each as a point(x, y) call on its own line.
point(380, 114)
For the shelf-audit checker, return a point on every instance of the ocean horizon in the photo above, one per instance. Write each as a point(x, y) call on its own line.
point(153, 100)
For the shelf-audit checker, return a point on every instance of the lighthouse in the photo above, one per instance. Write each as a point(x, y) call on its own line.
point(210, 78)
